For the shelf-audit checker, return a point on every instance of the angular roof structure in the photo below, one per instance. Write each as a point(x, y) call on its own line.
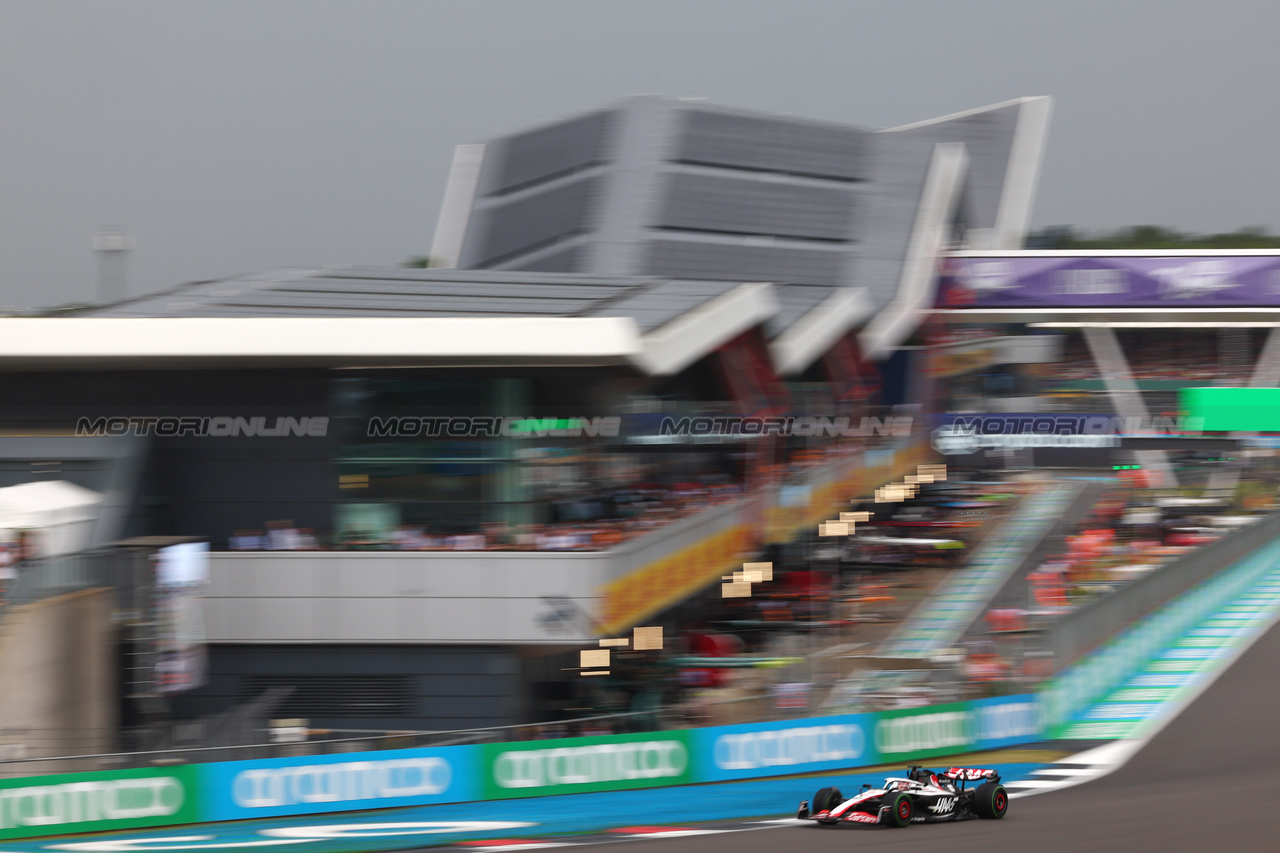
point(684, 189)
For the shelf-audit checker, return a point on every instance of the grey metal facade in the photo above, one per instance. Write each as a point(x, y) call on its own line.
point(682, 189)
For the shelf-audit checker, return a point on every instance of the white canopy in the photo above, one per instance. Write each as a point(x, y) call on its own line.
point(62, 512)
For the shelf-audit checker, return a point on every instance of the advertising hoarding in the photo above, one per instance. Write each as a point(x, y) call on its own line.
point(937, 730)
point(810, 745)
point(93, 802)
point(1114, 281)
point(319, 784)
point(315, 784)
point(572, 765)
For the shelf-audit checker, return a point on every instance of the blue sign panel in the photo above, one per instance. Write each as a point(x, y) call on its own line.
point(314, 784)
point(1006, 721)
point(775, 749)
point(816, 744)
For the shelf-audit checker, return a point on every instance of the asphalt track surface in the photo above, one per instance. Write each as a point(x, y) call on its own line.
point(1208, 781)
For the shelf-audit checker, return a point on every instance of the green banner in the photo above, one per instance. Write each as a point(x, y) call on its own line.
point(926, 732)
point(92, 802)
point(570, 765)
point(1233, 409)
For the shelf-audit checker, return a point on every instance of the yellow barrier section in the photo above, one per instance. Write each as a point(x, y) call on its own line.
point(662, 583)
point(656, 586)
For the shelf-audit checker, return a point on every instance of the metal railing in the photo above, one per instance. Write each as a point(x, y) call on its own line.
point(689, 714)
point(47, 577)
point(757, 703)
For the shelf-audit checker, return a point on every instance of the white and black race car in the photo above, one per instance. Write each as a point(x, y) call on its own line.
point(923, 796)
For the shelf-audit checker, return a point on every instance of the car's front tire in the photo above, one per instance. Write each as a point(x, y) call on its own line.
point(901, 810)
point(991, 801)
point(825, 800)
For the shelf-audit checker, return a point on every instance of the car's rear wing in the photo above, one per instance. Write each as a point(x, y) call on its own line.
point(972, 774)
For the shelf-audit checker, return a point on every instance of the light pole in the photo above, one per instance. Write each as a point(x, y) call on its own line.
point(112, 244)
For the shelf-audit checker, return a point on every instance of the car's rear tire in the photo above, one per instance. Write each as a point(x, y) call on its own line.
point(825, 800)
point(990, 801)
point(901, 810)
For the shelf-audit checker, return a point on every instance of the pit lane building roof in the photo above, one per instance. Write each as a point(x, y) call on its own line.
point(399, 292)
point(371, 315)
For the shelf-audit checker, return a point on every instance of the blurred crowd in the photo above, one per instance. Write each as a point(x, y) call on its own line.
point(588, 522)
point(1163, 356)
point(839, 601)
point(1126, 538)
point(786, 650)
point(1131, 533)
point(586, 519)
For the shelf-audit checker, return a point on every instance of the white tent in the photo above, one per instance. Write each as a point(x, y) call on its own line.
point(61, 513)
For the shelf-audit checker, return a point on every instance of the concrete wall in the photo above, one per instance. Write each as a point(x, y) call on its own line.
point(397, 596)
point(57, 680)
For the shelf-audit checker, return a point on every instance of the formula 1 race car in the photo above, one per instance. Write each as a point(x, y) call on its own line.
point(922, 797)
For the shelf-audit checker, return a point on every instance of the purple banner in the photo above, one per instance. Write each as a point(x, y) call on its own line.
point(1115, 281)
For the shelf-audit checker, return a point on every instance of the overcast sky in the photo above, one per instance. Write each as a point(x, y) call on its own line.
point(237, 136)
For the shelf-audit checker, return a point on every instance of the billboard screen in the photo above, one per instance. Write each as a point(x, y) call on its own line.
point(1115, 281)
point(182, 572)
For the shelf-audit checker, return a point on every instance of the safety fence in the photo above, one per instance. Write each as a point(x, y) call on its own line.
point(316, 784)
point(46, 577)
